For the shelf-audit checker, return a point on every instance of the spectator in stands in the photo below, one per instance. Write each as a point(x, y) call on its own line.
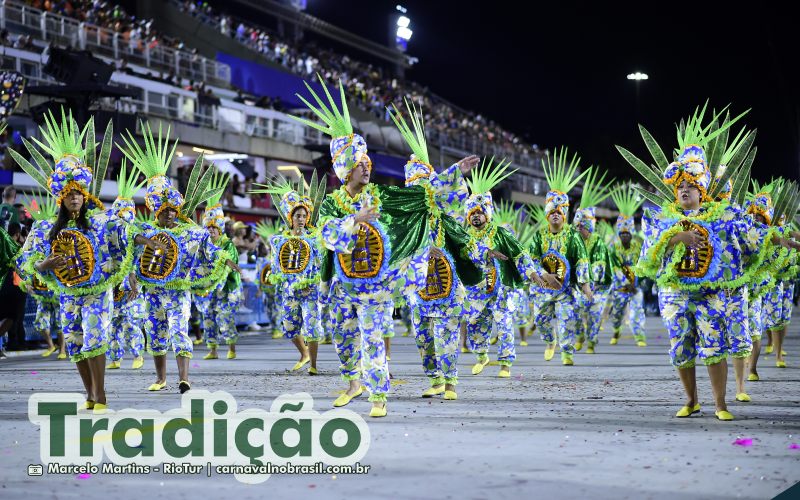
point(8, 212)
point(12, 302)
point(4, 41)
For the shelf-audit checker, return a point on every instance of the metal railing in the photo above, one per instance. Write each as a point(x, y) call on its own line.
point(17, 17)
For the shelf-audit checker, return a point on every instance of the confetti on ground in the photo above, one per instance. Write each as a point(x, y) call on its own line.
point(794, 446)
point(195, 365)
point(743, 442)
point(83, 476)
point(34, 373)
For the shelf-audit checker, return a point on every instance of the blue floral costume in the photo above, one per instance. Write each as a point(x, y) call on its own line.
point(625, 292)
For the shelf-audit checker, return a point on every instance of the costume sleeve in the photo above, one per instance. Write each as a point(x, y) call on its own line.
point(337, 233)
point(450, 189)
point(577, 255)
point(535, 253)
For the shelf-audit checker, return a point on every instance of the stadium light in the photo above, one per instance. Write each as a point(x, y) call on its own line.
point(404, 33)
point(638, 76)
point(403, 22)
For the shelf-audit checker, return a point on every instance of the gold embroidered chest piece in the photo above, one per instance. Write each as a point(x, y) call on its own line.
point(696, 260)
point(366, 259)
point(76, 248)
point(553, 264)
point(37, 285)
point(294, 255)
point(439, 282)
point(158, 264)
point(491, 279)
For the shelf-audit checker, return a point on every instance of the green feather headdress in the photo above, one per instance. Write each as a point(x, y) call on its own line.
point(691, 132)
point(418, 167)
point(265, 229)
point(525, 226)
point(217, 185)
point(505, 213)
point(42, 208)
point(626, 199)
point(144, 217)
point(560, 172)
point(286, 196)
point(336, 123)
point(481, 182)
point(595, 190)
point(155, 158)
point(126, 182)
point(604, 230)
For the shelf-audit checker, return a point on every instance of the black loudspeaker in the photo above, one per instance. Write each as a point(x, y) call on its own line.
point(77, 67)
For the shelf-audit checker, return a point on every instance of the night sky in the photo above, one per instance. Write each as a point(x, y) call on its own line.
point(556, 73)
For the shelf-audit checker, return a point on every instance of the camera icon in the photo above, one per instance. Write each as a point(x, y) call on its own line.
point(35, 470)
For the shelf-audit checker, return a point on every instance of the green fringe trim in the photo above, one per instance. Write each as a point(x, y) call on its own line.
point(115, 279)
point(713, 360)
point(184, 354)
point(377, 398)
point(436, 381)
point(743, 354)
point(686, 366)
point(504, 363)
point(202, 286)
point(83, 356)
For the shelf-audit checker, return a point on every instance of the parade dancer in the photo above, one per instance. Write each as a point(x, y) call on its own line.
point(373, 236)
point(436, 309)
point(625, 251)
point(126, 321)
point(684, 250)
point(584, 221)
point(46, 322)
point(265, 230)
point(188, 261)
point(85, 252)
point(505, 264)
point(559, 251)
point(219, 314)
point(295, 265)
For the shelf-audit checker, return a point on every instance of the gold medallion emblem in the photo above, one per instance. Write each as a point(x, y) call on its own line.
point(553, 264)
point(439, 281)
point(366, 259)
point(158, 264)
point(76, 248)
point(697, 260)
point(294, 255)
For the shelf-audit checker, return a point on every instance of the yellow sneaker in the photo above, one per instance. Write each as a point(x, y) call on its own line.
point(723, 415)
point(686, 411)
point(567, 362)
point(549, 352)
point(590, 349)
point(156, 386)
point(345, 398)
point(493, 341)
point(114, 365)
point(301, 363)
point(49, 351)
point(231, 355)
point(138, 363)
point(743, 397)
point(523, 343)
point(578, 346)
point(377, 412)
point(88, 405)
point(312, 371)
point(768, 349)
point(464, 349)
point(197, 341)
point(477, 368)
point(641, 343)
point(62, 355)
point(783, 353)
point(99, 408)
point(613, 341)
point(388, 358)
point(184, 386)
point(504, 373)
point(276, 334)
point(780, 364)
point(753, 378)
point(211, 355)
point(433, 391)
point(450, 395)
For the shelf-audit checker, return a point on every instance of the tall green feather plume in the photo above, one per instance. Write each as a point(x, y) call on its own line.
point(218, 184)
point(317, 194)
point(694, 132)
point(504, 213)
point(560, 172)
point(44, 208)
point(61, 139)
point(126, 182)
point(604, 229)
point(416, 138)
point(595, 190)
point(337, 124)
point(276, 189)
point(537, 215)
point(156, 156)
point(101, 166)
point(199, 191)
point(142, 217)
point(488, 175)
point(524, 228)
point(626, 199)
point(265, 229)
